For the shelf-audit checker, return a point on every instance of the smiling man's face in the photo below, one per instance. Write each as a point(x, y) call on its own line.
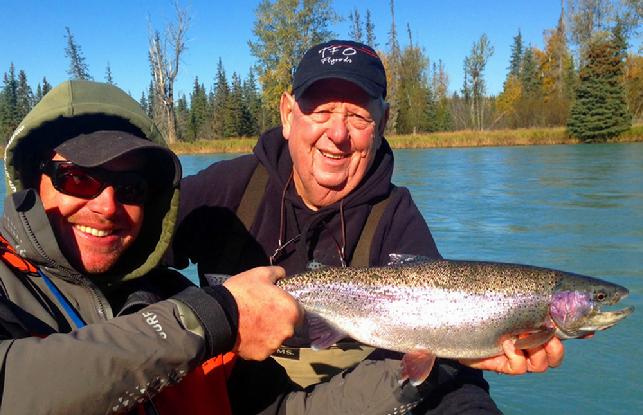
point(333, 132)
point(93, 233)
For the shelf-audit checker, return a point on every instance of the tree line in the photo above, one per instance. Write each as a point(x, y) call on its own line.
point(583, 78)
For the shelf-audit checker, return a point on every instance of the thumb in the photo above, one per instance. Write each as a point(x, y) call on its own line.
point(275, 273)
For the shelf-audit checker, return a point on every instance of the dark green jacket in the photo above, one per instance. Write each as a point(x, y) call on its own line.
point(47, 364)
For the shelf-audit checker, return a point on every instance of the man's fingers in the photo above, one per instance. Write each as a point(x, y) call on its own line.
point(516, 363)
point(537, 360)
point(555, 352)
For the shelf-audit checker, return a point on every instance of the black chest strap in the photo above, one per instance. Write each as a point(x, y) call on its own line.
point(233, 257)
point(362, 251)
point(251, 199)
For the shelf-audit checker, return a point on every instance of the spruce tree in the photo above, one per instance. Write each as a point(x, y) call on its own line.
point(198, 110)
point(108, 75)
point(78, 68)
point(9, 104)
point(38, 95)
point(46, 86)
point(220, 101)
point(529, 75)
point(600, 110)
point(252, 101)
point(515, 62)
point(143, 102)
point(233, 124)
point(182, 119)
point(24, 96)
point(41, 90)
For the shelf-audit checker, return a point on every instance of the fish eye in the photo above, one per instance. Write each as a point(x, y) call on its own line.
point(600, 296)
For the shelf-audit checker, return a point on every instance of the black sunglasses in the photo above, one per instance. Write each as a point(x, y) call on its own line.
point(87, 183)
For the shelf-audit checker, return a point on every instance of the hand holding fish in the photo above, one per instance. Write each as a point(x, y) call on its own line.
point(267, 314)
point(517, 362)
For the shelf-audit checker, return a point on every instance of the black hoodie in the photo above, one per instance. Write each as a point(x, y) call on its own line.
point(211, 198)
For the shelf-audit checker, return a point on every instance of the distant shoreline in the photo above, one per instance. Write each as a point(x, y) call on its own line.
point(449, 139)
point(466, 138)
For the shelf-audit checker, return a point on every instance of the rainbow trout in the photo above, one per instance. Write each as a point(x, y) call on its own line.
point(452, 309)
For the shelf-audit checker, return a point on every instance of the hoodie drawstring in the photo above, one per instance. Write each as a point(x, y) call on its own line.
point(342, 250)
point(317, 220)
point(282, 225)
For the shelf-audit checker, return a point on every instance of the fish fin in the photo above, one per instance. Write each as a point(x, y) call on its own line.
point(535, 339)
point(417, 365)
point(322, 335)
point(400, 259)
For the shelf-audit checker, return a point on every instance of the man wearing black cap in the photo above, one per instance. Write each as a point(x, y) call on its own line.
point(317, 192)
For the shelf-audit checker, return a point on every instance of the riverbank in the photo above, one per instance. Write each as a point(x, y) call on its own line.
point(466, 138)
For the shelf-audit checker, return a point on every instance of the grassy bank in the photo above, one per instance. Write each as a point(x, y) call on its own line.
point(470, 138)
point(517, 137)
point(466, 138)
point(229, 145)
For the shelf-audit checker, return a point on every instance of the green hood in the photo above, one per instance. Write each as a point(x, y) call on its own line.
point(77, 107)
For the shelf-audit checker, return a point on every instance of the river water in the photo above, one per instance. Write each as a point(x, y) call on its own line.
point(577, 208)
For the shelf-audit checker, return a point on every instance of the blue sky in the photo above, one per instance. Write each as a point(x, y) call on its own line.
point(116, 32)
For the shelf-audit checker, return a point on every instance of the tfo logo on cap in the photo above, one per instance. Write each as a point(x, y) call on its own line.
point(336, 53)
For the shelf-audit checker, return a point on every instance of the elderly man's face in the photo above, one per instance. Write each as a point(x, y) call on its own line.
point(93, 233)
point(333, 132)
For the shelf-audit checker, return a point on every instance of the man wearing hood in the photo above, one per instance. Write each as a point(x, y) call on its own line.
point(317, 191)
point(91, 206)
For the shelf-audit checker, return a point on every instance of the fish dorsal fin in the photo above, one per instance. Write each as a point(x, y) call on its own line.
point(322, 335)
point(535, 339)
point(405, 259)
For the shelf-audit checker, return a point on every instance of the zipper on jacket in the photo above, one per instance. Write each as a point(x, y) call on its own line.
point(79, 279)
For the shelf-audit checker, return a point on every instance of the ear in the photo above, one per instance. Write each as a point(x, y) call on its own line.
point(286, 108)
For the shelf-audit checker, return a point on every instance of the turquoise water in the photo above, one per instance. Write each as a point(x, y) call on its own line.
point(577, 208)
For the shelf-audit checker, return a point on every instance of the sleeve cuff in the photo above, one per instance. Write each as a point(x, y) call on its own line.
point(216, 310)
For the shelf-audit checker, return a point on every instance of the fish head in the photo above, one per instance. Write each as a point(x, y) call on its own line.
point(576, 306)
